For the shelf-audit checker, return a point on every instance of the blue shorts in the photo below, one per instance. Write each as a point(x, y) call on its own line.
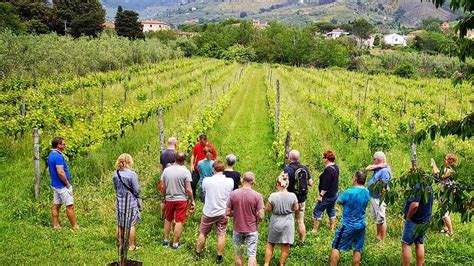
point(347, 238)
point(328, 205)
point(409, 235)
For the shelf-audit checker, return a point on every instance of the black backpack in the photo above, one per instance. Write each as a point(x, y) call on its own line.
point(301, 180)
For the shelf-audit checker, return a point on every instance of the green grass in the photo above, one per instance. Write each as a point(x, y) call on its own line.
point(245, 130)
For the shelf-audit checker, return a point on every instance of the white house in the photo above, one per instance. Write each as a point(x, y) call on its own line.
point(336, 33)
point(154, 25)
point(394, 39)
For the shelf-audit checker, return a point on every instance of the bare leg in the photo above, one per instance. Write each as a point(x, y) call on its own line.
point(178, 229)
point(239, 260)
point(71, 217)
point(332, 224)
point(252, 261)
point(167, 230)
point(55, 213)
point(201, 243)
point(315, 226)
point(420, 254)
point(285, 252)
point(448, 224)
point(381, 231)
point(220, 244)
point(406, 254)
point(301, 230)
point(131, 238)
point(335, 255)
point(269, 253)
point(356, 258)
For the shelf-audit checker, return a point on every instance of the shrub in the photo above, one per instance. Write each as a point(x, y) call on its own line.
point(405, 70)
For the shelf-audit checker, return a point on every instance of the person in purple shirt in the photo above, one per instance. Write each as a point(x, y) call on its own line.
point(246, 206)
point(60, 183)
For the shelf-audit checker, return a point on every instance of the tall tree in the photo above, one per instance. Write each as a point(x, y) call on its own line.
point(128, 25)
point(10, 20)
point(36, 14)
point(362, 29)
point(78, 17)
point(466, 23)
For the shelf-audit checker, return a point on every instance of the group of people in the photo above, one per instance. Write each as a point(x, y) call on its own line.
point(225, 193)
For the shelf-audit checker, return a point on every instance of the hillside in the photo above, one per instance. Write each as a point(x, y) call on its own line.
point(385, 13)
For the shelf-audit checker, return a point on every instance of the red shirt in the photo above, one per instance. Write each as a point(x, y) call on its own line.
point(199, 155)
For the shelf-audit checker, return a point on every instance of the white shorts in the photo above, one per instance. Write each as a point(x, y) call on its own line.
point(63, 196)
point(377, 210)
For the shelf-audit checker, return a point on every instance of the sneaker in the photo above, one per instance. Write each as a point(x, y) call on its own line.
point(219, 259)
point(166, 243)
point(176, 245)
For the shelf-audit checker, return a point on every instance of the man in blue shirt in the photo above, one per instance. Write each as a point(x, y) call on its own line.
point(351, 233)
point(382, 175)
point(416, 212)
point(60, 183)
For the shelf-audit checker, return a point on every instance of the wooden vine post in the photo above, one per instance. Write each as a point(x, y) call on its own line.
point(210, 95)
point(366, 90)
point(161, 128)
point(36, 151)
point(180, 91)
point(277, 111)
point(102, 97)
point(413, 144)
point(287, 146)
point(358, 117)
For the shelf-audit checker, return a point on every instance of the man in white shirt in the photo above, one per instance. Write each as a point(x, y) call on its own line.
point(217, 189)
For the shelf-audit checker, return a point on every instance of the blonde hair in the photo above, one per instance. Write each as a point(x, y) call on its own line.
point(283, 180)
point(125, 160)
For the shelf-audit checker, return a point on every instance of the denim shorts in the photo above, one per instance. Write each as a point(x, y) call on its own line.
point(408, 236)
point(249, 240)
point(347, 238)
point(328, 205)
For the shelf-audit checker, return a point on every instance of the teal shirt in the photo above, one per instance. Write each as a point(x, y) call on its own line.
point(205, 169)
point(354, 202)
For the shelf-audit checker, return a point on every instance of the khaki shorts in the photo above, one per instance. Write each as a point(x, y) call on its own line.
point(63, 196)
point(377, 210)
point(207, 223)
point(299, 214)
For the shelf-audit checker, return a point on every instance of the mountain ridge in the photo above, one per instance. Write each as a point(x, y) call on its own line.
point(389, 14)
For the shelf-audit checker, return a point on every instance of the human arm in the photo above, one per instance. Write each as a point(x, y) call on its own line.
point(310, 178)
point(412, 210)
point(260, 210)
point(228, 211)
point(324, 182)
point(62, 175)
point(135, 185)
point(376, 166)
point(434, 167)
point(342, 199)
point(269, 207)
point(295, 206)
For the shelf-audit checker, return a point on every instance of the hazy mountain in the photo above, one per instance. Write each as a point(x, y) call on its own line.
point(385, 13)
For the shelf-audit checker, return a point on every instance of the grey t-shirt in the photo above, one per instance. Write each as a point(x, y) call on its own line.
point(175, 177)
